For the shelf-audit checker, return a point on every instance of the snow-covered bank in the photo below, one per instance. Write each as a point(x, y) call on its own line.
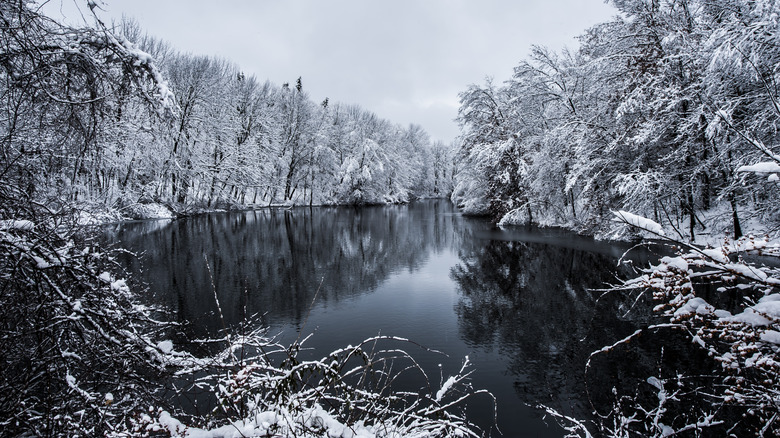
point(714, 225)
point(91, 214)
point(149, 211)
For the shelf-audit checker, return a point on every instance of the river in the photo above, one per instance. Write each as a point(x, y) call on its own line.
point(520, 302)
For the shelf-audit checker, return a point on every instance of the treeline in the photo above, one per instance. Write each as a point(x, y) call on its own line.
point(655, 114)
point(80, 132)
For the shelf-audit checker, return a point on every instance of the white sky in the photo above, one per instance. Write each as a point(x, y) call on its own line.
point(405, 60)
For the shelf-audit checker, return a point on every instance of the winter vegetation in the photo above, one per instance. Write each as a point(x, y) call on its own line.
point(101, 123)
point(663, 124)
point(724, 304)
point(669, 111)
point(219, 139)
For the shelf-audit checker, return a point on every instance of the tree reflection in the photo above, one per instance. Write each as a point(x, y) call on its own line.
point(271, 262)
point(532, 302)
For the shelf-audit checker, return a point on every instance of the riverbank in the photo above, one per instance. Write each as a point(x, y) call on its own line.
point(96, 214)
point(713, 226)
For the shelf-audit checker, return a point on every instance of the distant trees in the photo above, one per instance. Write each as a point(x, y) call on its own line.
point(653, 114)
point(236, 141)
point(78, 128)
point(438, 170)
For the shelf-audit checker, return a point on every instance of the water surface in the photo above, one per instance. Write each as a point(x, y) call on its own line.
point(518, 302)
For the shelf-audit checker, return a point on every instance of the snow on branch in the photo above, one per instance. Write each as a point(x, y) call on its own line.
point(639, 222)
point(742, 339)
point(762, 167)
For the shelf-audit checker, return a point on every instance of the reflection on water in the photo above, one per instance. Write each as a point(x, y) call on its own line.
point(516, 301)
point(534, 302)
point(271, 262)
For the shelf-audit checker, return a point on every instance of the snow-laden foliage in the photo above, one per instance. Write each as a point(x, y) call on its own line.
point(664, 120)
point(725, 301)
point(741, 338)
point(239, 142)
point(76, 349)
point(669, 110)
point(260, 388)
point(640, 222)
point(76, 105)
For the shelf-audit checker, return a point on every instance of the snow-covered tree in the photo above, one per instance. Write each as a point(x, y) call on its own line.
point(654, 113)
point(72, 334)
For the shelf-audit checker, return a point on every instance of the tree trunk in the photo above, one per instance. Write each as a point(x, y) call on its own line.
point(735, 217)
point(692, 223)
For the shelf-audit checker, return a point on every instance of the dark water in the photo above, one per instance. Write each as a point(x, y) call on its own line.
point(517, 302)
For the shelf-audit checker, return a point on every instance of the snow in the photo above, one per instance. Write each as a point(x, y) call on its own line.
point(150, 211)
point(41, 263)
point(518, 216)
point(696, 305)
point(747, 271)
point(120, 286)
point(762, 167)
point(445, 387)
point(678, 263)
point(771, 337)
point(639, 222)
point(21, 225)
point(276, 424)
point(765, 312)
point(655, 382)
point(165, 346)
point(722, 314)
point(90, 215)
point(717, 254)
point(768, 298)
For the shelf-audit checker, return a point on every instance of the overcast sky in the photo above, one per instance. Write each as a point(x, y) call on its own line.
point(405, 60)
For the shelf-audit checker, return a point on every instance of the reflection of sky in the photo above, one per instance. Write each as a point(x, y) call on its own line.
point(416, 305)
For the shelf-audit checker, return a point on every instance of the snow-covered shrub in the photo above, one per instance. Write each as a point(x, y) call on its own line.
point(76, 348)
point(726, 303)
point(743, 339)
point(260, 388)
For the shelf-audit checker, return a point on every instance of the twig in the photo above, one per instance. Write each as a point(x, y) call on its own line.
point(308, 313)
point(219, 307)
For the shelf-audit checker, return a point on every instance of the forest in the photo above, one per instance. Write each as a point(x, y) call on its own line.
point(103, 123)
point(669, 111)
point(663, 123)
point(219, 138)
